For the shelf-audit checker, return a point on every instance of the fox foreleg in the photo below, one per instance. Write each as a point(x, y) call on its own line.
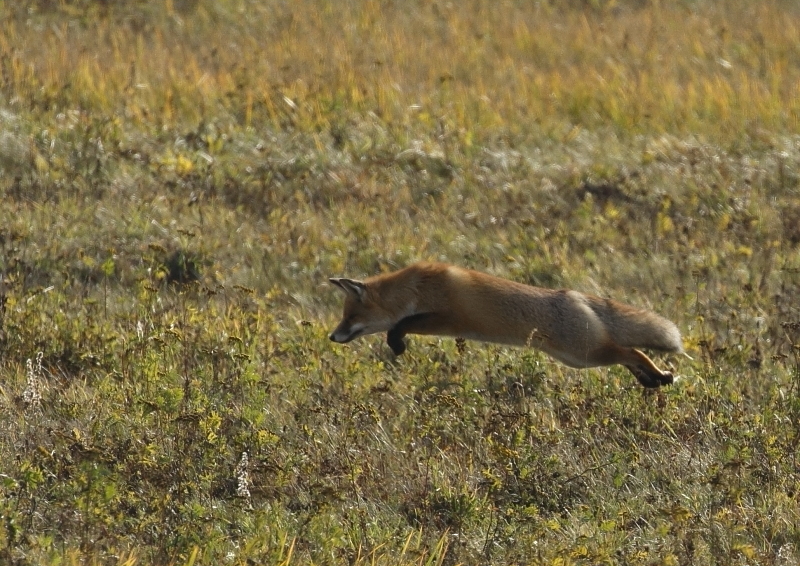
point(394, 338)
point(420, 323)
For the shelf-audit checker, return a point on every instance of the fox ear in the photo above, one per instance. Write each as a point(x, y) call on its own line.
point(350, 286)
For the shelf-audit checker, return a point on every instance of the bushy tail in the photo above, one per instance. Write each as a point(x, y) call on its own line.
point(637, 328)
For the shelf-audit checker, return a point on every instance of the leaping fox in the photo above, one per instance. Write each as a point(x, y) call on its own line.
point(439, 299)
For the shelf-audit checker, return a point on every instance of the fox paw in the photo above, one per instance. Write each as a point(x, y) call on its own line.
point(651, 379)
point(396, 343)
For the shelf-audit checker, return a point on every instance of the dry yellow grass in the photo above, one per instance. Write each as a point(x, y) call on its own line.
point(479, 68)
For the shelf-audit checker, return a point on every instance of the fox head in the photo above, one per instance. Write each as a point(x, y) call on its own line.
point(362, 313)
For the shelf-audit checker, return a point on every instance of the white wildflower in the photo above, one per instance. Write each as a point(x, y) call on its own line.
point(243, 477)
point(34, 383)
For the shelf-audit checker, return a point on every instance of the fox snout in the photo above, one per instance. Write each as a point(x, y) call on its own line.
point(343, 335)
point(339, 338)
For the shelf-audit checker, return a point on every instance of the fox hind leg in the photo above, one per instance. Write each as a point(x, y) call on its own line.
point(636, 361)
point(646, 371)
point(649, 379)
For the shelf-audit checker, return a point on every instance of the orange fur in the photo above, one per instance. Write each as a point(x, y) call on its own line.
point(439, 299)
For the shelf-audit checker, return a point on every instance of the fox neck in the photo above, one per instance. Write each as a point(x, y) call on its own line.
point(400, 301)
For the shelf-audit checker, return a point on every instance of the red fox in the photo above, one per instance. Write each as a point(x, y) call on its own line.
point(577, 329)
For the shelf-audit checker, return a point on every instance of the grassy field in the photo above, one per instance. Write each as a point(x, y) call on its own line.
point(178, 180)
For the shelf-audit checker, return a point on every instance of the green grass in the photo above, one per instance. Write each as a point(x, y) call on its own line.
point(179, 179)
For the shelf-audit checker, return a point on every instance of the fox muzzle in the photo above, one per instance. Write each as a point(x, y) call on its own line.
point(342, 336)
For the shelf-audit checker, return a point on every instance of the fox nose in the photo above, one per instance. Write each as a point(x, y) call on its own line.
point(332, 338)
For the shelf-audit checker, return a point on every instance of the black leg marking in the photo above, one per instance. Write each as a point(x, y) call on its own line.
point(650, 379)
point(395, 340)
point(408, 325)
point(667, 378)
